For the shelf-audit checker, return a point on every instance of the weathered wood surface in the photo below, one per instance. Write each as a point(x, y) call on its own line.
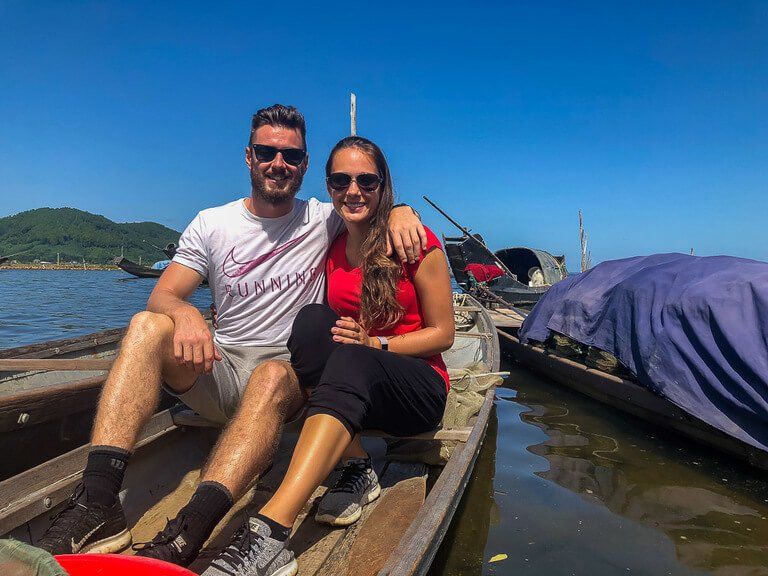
point(68, 346)
point(67, 364)
point(632, 398)
point(506, 318)
point(313, 543)
point(49, 403)
point(31, 493)
point(417, 548)
point(368, 543)
point(186, 417)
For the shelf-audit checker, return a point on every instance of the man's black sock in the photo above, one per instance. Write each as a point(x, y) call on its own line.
point(209, 504)
point(279, 532)
point(103, 475)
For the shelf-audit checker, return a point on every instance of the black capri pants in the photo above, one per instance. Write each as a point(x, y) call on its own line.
point(363, 387)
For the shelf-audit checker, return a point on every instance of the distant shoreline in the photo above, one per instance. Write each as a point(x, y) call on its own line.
point(86, 266)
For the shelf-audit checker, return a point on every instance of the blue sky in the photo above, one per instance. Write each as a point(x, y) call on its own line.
point(649, 116)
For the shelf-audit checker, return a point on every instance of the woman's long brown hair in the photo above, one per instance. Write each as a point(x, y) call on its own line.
point(379, 307)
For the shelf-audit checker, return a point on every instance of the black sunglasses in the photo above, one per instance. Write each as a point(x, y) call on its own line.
point(366, 181)
point(292, 156)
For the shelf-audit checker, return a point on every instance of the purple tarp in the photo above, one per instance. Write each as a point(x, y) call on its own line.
point(693, 330)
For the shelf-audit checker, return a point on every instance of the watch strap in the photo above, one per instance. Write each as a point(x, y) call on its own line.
point(384, 342)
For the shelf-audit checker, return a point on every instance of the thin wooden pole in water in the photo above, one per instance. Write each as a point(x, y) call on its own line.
point(353, 114)
point(586, 256)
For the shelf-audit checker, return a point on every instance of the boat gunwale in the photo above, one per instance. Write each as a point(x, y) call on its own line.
point(417, 547)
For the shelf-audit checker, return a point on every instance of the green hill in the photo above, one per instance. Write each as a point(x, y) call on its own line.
point(76, 235)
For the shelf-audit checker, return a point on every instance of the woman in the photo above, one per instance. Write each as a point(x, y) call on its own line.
point(372, 357)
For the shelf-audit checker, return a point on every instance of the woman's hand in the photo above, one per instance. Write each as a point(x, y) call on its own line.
point(347, 331)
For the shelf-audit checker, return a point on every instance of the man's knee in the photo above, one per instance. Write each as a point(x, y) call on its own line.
point(149, 325)
point(274, 383)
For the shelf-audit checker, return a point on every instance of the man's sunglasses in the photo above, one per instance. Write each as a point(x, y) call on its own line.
point(292, 156)
point(367, 182)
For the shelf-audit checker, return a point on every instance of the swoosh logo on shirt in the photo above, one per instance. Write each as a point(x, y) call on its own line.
point(241, 268)
point(77, 545)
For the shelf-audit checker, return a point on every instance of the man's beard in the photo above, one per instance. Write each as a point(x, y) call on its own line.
point(275, 197)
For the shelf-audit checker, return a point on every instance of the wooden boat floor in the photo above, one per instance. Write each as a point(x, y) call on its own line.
point(362, 548)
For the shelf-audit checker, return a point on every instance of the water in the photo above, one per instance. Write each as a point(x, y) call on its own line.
point(563, 485)
point(566, 486)
point(40, 305)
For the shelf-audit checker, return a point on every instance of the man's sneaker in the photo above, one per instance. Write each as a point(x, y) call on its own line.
point(253, 552)
point(173, 544)
point(84, 526)
point(357, 486)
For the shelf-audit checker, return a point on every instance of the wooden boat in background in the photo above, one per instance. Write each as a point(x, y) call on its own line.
point(138, 270)
point(153, 271)
point(518, 263)
point(398, 534)
point(524, 273)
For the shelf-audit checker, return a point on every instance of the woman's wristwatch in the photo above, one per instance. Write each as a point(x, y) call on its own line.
point(403, 204)
point(384, 342)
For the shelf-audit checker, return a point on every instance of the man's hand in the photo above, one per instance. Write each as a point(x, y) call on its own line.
point(192, 341)
point(406, 234)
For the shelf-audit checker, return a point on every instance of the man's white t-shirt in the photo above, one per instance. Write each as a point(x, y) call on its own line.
point(261, 271)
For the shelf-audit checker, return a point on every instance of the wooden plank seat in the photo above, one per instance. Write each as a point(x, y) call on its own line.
point(183, 416)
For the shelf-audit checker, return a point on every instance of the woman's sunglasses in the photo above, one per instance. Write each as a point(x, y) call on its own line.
point(367, 182)
point(292, 156)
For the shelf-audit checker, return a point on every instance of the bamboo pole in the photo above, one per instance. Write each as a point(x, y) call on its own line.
point(586, 256)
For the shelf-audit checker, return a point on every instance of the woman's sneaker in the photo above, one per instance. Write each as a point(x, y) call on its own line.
point(253, 552)
point(84, 526)
point(357, 486)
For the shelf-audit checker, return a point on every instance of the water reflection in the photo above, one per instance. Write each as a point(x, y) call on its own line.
point(713, 509)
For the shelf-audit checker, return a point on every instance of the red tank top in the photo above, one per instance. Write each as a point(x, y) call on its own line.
point(345, 281)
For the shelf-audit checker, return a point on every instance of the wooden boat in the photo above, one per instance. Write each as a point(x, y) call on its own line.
point(520, 265)
point(398, 534)
point(629, 396)
point(524, 273)
point(138, 270)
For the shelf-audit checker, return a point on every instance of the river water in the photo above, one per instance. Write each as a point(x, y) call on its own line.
point(562, 486)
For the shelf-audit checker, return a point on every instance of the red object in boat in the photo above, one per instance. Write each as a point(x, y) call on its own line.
point(117, 565)
point(484, 272)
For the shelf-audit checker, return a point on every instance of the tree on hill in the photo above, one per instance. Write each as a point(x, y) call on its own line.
point(73, 234)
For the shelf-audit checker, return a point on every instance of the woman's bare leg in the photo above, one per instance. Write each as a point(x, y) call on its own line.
point(322, 442)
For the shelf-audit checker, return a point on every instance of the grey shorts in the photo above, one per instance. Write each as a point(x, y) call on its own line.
point(216, 396)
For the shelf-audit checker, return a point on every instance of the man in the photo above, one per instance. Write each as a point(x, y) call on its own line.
point(263, 257)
